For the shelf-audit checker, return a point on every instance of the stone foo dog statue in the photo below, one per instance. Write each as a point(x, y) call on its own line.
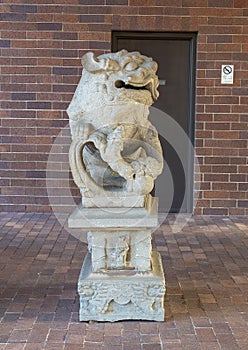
point(115, 156)
point(115, 151)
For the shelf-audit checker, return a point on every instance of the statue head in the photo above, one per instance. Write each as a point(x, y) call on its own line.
point(125, 71)
point(112, 78)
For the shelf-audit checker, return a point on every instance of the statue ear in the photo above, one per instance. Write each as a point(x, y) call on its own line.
point(92, 64)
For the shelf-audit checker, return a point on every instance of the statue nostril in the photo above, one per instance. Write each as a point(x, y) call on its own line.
point(119, 84)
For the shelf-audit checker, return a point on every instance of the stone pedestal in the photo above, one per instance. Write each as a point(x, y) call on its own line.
point(119, 295)
point(121, 277)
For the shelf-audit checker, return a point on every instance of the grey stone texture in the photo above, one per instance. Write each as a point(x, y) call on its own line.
point(125, 294)
point(115, 156)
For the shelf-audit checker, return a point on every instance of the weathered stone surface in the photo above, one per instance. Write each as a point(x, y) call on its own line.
point(115, 156)
point(120, 249)
point(115, 151)
point(120, 261)
point(116, 217)
point(118, 295)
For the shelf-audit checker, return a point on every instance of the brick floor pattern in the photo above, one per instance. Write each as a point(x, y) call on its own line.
point(205, 262)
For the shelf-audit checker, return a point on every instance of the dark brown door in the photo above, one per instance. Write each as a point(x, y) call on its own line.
point(173, 117)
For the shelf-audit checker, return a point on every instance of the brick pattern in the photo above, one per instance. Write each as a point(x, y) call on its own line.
point(205, 264)
point(40, 49)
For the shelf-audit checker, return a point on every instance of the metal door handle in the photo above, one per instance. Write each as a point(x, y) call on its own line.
point(162, 81)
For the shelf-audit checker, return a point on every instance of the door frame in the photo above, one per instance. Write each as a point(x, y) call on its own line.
point(192, 38)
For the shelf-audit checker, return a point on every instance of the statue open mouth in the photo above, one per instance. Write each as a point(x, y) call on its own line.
point(150, 86)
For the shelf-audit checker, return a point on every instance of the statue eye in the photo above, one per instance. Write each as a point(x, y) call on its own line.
point(131, 66)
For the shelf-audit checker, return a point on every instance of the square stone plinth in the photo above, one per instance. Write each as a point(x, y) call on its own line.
point(118, 295)
point(90, 218)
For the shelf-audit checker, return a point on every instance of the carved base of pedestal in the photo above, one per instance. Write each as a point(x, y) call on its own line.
point(122, 294)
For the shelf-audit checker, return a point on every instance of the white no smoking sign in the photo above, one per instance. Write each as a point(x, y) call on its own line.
point(227, 73)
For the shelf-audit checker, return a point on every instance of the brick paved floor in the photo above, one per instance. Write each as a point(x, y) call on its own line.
point(206, 265)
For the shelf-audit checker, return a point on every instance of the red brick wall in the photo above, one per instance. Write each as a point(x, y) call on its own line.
point(40, 50)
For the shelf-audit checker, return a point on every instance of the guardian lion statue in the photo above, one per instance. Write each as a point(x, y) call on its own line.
point(115, 153)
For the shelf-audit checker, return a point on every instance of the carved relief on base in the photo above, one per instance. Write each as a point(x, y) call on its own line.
point(122, 296)
point(120, 249)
